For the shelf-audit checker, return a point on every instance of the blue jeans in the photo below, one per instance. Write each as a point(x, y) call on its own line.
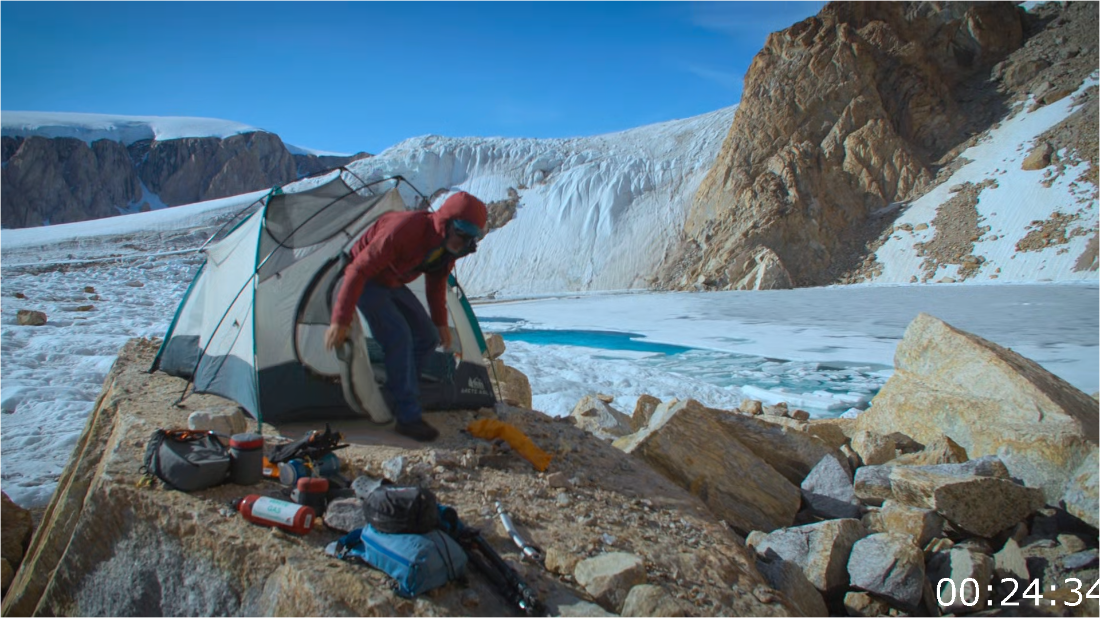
point(400, 324)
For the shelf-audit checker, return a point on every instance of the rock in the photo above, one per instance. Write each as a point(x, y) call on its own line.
point(808, 128)
point(890, 566)
point(938, 545)
point(572, 607)
point(831, 431)
point(1071, 543)
point(226, 420)
point(6, 575)
point(942, 450)
point(557, 480)
point(511, 383)
point(922, 525)
point(960, 564)
point(755, 538)
point(752, 407)
point(790, 452)
point(89, 289)
point(779, 409)
point(600, 419)
point(820, 549)
point(608, 578)
point(1081, 498)
point(494, 346)
point(470, 598)
point(800, 415)
point(1010, 562)
point(1081, 560)
point(135, 283)
point(363, 485)
point(15, 534)
point(1038, 158)
point(690, 445)
point(604, 397)
point(393, 469)
point(863, 604)
point(828, 491)
point(979, 505)
point(345, 514)
point(561, 561)
point(872, 483)
point(990, 401)
point(643, 410)
point(874, 449)
point(650, 600)
point(788, 578)
point(27, 317)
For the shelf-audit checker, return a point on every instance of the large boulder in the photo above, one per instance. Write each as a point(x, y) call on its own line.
point(792, 452)
point(873, 485)
point(943, 450)
point(989, 400)
point(690, 445)
point(788, 578)
point(1080, 496)
point(650, 600)
point(643, 410)
point(889, 565)
point(599, 418)
point(959, 565)
point(827, 491)
point(922, 525)
point(820, 549)
point(494, 346)
point(982, 506)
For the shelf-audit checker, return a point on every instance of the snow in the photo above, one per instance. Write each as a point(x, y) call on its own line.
point(1008, 207)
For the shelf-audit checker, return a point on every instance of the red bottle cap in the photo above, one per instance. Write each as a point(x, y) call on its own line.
point(311, 485)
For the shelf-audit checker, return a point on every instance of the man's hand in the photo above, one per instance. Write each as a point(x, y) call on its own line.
point(336, 335)
point(445, 337)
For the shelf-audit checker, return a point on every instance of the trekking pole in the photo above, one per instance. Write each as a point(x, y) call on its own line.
point(530, 550)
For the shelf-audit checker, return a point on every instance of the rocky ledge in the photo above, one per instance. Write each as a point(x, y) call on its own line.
point(973, 463)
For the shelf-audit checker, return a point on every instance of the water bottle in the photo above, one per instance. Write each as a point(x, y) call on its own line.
point(274, 513)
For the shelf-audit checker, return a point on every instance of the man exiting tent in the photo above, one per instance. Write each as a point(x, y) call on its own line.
point(396, 250)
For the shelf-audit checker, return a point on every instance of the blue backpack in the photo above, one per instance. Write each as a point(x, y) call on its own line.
point(416, 562)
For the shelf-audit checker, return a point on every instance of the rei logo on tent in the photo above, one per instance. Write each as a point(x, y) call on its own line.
point(475, 385)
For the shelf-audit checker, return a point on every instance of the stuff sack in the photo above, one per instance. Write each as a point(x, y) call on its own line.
point(401, 510)
point(186, 460)
point(416, 562)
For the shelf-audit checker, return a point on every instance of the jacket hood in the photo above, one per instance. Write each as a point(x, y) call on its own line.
point(461, 205)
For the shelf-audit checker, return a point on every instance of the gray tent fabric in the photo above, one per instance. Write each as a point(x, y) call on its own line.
point(250, 327)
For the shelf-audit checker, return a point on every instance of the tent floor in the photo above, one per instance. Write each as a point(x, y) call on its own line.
point(367, 433)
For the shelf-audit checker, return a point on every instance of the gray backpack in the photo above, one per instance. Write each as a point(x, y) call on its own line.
point(186, 460)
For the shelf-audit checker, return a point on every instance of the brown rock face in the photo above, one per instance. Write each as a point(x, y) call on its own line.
point(62, 180)
point(841, 115)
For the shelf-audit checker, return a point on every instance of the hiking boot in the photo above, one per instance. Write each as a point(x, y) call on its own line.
point(419, 431)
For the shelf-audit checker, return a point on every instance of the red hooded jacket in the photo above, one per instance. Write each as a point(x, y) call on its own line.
point(392, 249)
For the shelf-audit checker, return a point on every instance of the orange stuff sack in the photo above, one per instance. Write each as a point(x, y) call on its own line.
point(492, 429)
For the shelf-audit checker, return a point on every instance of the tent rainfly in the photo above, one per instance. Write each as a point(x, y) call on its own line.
point(250, 327)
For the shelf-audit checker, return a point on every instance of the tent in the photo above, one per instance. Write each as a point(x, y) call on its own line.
point(250, 326)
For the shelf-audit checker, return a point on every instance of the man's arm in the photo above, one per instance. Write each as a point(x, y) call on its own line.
point(376, 256)
point(435, 288)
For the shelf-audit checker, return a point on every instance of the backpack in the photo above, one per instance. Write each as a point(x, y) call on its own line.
point(401, 510)
point(186, 460)
point(416, 562)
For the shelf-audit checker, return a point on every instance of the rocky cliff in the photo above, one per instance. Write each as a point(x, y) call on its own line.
point(63, 179)
point(848, 113)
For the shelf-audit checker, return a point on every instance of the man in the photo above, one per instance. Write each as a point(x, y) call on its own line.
point(394, 251)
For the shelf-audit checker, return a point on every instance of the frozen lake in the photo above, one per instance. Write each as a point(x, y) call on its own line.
point(822, 349)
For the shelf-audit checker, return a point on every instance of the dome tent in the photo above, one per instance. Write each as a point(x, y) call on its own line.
point(251, 325)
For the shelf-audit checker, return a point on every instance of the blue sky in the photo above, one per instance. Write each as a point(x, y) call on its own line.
point(362, 76)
